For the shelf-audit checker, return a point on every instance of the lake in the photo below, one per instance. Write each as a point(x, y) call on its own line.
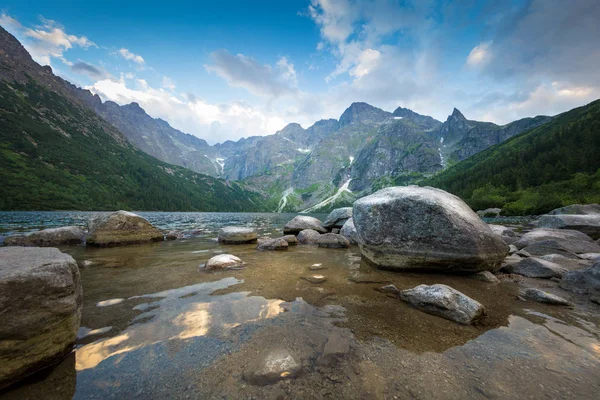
point(155, 325)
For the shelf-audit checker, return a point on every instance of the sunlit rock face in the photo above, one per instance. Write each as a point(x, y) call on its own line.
point(411, 227)
point(40, 309)
point(121, 228)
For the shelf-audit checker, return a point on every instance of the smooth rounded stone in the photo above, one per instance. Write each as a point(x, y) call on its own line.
point(336, 347)
point(338, 217)
point(512, 249)
point(237, 235)
point(411, 227)
point(271, 366)
point(566, 262)
point(585, 281)
point(580, 209)
point(489, 213)
point(548, 247)
point(66, 235)
point(588, 224)
point(485, 276)
point(222, 261)
point(540, 296)
point(349, 231)
point(315, 278)
point(302, 222)
point(308, 236)
point(534, 267)
point(291, 239)
point(445, 302)
point(571, 240)
point(40, 306)
point(333, 241)
point(273, 244)
point(121, 228)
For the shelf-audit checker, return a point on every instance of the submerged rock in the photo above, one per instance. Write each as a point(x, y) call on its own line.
point(223, 261)
point(336, 347)
point(534, 267)
point(66, 235)
point(445, 302)
point(237, 235)
point(388, 289)
point(40, 307)
point(585, 281)
point(588, 224)
point(121, 228)
point(302, 222)
point(174, 235)
point(273, 244)
point(413, 227)
point(349, 231)
point(333, 241)
point(338, 217)
point(543, 297)
point(570, 240)
point(308, 236)
point(271, 366)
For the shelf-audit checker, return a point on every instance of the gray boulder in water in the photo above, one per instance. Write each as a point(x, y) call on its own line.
point(223, 261)
point(445, 302)
point(66, 235)
point(273, 244)
point(585, 281)
point(121, 228)
point(349, 232)
point(302, 222)
point(333, 241)
point(40, 308)
point(415, 227)
point(308, 236)
point(588, 224)
point(338, 217)
point(237, 235)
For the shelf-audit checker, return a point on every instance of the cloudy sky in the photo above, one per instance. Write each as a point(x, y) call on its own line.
point(228, 69)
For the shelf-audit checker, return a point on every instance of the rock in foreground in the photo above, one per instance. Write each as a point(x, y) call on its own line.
point(308, 236)
point(540, 296)
point(585, 281)
point(272, 366)
point(121, 228)
point(302, 222)
point(273, 244)
point(445, 302)
point(333, 241)
point(534, 267)
point(349, 231)
point(588, 224)
point(223, 261)
point(571, 240)
point(338, 217)
point(237, 235)
point(40, 309)
point(412, 227)
point(63, 236)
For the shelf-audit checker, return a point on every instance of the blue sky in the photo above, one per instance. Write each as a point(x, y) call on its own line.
point(228, 69)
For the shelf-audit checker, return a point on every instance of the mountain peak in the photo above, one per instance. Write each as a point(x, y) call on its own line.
point(457, 114)
point(360, 112)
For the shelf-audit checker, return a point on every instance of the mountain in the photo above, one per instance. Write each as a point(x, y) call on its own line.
point(57, 153)
point(549, 166)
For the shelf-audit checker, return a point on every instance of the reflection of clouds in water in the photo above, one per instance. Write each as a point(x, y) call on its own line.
point(182, 313)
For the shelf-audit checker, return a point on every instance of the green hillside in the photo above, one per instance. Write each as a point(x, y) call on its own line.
point(57, 154)
point(553, 165)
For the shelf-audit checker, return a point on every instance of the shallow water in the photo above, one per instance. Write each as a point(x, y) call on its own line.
point(155, 325)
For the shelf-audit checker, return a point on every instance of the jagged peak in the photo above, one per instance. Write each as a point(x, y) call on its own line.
point(135, 107)
point(457, 114)
point(362, 112)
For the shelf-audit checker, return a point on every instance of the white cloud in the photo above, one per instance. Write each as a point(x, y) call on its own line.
point(129, 56)
point(167, 83)
point(480, 55)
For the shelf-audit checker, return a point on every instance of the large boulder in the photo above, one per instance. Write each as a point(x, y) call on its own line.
point(338, 217)
point(302, 222)
point(333, 241)
point(121, 228)
point(237, 235)
point(571, 240)
point(223, 261)
point(534, 267)
point(588, 224)
point(577, 209)
point(583, 281)
point(349, 232)
point(40, 309)
point(308, 236)
point(66, 235)
point(413, 227)
point(445, 302)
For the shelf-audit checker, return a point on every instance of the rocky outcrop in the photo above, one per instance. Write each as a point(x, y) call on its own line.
point(534, 267)
point(337, 218)
point(40, 308)
point(237, 235)
point(349, 232)
point(540, 296)
point(570, 240)
point(63, 236)
point(445, 302)
point(333, 241)
point(588, 224)
point(273, 244)
point(272, 365)
point(223, 261)
point(308, 236)
point(586, 281)
point(302, 222)
point(412, 227)
point(121, 228)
